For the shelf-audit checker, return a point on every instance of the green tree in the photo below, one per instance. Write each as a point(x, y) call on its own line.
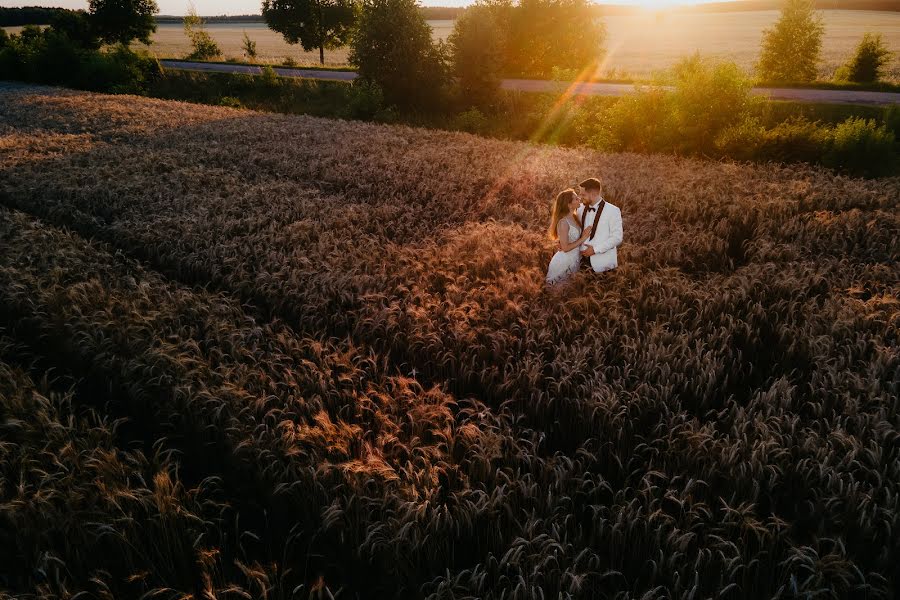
point(121, 21)
point(544, 34)
point(204, 47)
point(791, 49)
point(866, 65)
point(77, 26)
point(249, 46)
point(311, 23)
point(392, 47)
point(477, 45)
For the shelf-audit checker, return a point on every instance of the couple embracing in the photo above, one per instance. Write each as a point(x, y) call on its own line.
point(588, 229)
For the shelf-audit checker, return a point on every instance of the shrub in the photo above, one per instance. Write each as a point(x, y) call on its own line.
point(120, 71)
point(50, 56)
point(364, 101)
point(249, 47)
point(472, 120)
point(708, 98)
point(121, 21)
point(741, 141)
point(476, 47)
point(269, 77)
point(392, 47)
point(4, 38)
point(642, 122)
point(790, 49)
point(892, 119)
point(289, 61)
point(866, 65)
point(230, 101)
point(795, 140)
point(204, 47)
point(861, 146)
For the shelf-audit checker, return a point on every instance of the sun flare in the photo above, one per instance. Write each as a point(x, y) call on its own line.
point(662, 4)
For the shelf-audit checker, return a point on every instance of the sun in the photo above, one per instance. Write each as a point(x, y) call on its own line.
point(661, 4)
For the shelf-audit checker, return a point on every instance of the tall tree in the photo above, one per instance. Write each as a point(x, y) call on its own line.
point(392, 47)
point(313, 23)
point(476, 47)
point(554, 33)
point(791, 49)
point(124, 20)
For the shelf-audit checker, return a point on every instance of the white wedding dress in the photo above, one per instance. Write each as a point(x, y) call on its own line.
point(564, 264)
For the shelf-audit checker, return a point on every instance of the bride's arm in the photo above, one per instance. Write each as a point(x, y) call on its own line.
point(562, 233)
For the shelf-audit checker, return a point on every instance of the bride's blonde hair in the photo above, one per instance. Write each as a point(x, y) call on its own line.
point(559, 209)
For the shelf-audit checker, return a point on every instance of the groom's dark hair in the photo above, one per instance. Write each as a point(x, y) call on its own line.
point(591, 184)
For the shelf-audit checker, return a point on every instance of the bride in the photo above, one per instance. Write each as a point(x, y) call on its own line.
point(565, 227)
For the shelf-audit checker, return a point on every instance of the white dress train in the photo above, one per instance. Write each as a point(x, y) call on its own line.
point(564, 264)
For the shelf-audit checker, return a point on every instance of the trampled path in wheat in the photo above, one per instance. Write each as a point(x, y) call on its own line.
point(724, 403)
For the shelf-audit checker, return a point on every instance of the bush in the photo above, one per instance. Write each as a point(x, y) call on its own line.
point(707, 99)
point(249, 47)
point(741, 141)
point(795, 140)
point(472, 120)
point(476, 47)
point(392, 47)
point(204, 47)
point(268, 77)
point(364, 101)
point(641, 122)
point(50, 56)
point(861, 146)
point(230, 101)
point(892, 119)
point(790, 49)
point(866, 65)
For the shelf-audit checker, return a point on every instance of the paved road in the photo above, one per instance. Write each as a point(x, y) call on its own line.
point(586, 89)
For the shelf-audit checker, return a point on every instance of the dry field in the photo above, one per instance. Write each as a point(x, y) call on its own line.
point(265, 355)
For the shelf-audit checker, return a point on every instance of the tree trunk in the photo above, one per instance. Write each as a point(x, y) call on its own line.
point(322, 54)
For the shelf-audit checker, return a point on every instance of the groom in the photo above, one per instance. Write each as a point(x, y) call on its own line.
point(605, 222)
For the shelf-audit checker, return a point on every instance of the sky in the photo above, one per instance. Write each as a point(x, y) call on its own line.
point(247, 7)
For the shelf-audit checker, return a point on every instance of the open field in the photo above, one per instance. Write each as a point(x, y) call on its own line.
point(638, 44)
point(340, 366)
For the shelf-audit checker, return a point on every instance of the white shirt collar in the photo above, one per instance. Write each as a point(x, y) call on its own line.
point(596, 204)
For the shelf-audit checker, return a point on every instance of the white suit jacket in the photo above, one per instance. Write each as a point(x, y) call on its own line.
point(607, 238)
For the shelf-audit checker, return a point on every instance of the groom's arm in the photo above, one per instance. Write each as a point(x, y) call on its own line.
point(615, 235)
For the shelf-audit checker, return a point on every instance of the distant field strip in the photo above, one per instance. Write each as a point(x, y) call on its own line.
point(637, 45)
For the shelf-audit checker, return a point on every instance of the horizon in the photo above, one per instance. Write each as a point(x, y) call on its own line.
point(209, 8)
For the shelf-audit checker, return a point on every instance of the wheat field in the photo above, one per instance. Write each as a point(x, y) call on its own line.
point(638, 45)
point(277, 356)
